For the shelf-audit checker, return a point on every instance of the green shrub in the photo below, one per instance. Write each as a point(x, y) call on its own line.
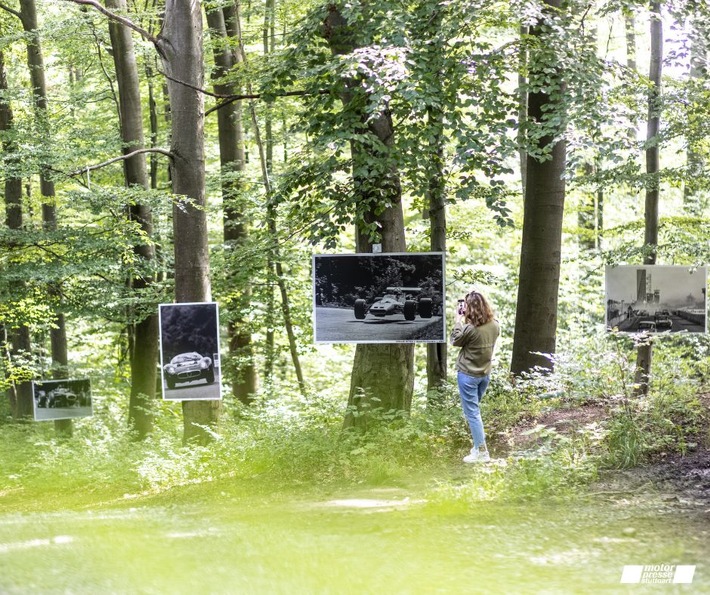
point(665, 422)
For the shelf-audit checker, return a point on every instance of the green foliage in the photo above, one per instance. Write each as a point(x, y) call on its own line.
point(667, 422)
point(446, 73)
point(293, 441)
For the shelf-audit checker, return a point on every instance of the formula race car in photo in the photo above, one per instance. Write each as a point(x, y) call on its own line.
point(59, 398)
point(396, 300)
point(187, 367)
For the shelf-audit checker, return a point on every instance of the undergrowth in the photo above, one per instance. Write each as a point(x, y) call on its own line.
point(296, 442)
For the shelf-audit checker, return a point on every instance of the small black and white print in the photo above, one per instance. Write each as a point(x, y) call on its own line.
point(656, 299)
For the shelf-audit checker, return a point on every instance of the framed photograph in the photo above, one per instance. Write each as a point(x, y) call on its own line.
point(62, 399)
point(656, 299)
point(379, 298)
point(189, 342)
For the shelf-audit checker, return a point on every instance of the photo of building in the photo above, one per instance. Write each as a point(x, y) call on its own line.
point(656, 299)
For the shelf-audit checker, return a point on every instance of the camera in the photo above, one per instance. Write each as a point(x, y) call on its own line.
point(462, 307)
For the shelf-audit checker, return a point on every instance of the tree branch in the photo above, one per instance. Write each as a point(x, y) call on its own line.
point(11, 10)
point(118, 18)
point(227, 99)
point(89, 168)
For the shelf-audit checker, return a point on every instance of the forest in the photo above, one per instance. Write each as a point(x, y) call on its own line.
point(158, 152)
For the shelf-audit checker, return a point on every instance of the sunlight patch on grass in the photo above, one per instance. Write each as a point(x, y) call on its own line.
point(35, 543)
point(369, 503)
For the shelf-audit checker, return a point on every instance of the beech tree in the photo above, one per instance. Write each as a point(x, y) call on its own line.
point(540, 253)
point(143, 346)
point(180, 45)
point(27, 15)
point(17, 334)
point(383, 375)
point(653, 180)
point(223, 23)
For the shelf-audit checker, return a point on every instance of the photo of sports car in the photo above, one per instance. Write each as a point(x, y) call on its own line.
point(187, 367)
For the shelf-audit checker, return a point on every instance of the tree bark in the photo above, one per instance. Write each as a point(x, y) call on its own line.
point(522, 106)
point(644, 354)
point(436, 194)
point(383, 375)
point(642, 374)
point(274, 256)
point(536, 312)
point(10, 159)
point(180, 46)
point(652, 130)
point(20, 394)
point(35, 62)
point(695, 160)
point(272, 264)
point(144, 347)
point(231, 153)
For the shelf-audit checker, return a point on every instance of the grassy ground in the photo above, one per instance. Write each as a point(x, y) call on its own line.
point(285, 501)
point(232, 536)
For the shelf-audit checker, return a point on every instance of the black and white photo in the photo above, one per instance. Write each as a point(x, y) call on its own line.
point(62, 399)
point(189, 351)
point(379, 298)
point(656, 299)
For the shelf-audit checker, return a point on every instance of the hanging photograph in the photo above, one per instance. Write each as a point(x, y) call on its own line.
point(62, 399)
point(379, 298)
point(189, 351)
point(656, 299)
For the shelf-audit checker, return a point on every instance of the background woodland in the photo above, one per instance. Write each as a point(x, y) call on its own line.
point(182, 151)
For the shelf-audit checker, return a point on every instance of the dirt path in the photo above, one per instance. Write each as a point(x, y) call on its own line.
point(677, 480)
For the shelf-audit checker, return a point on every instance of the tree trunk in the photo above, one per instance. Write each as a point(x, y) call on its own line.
point(696, 162)
point(35, 62)
point(180, 46)
point(383, 375)
point(274, 252)
point(60, 369)
point(522, 107)
point(536, 312)
point(652, 130)
point(144, 348)
point(273, 266)
point(10, 159)
point(644, 354)
point(642, 374)
point(20, 394)
point(231, 153)
point(436, 352)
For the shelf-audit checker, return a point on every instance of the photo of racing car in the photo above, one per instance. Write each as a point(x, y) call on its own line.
point(379, 297)
point(397, 300)
point(62, 399)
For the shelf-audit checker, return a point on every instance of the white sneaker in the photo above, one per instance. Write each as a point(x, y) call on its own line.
point(477, 456)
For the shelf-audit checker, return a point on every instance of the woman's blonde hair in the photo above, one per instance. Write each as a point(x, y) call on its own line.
point(477, 311)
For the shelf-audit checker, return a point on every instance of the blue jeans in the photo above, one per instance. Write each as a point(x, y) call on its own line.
point(471, 389)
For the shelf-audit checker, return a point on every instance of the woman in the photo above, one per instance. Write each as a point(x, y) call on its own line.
point(475, 332)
